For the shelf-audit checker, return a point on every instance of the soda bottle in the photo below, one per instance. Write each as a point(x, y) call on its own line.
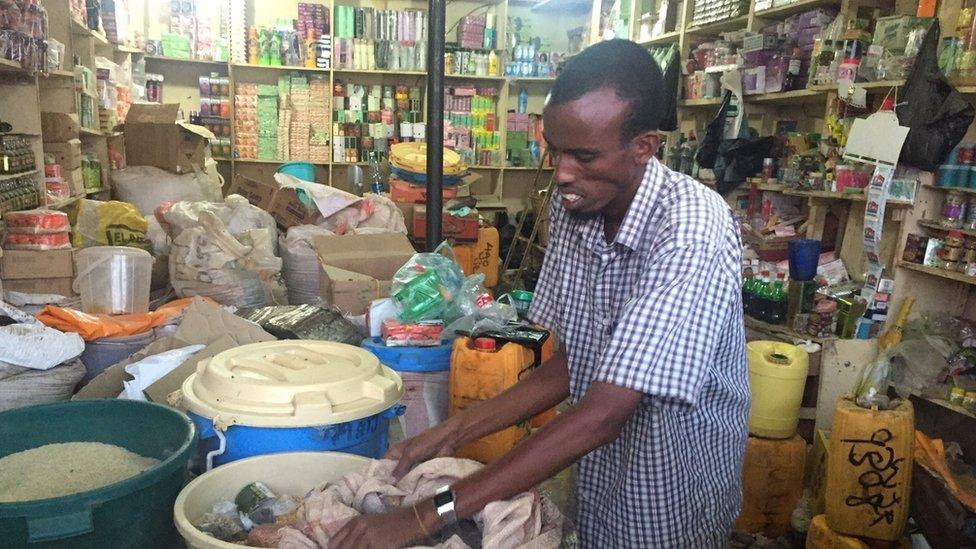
point(761, 301)
point(777, 301)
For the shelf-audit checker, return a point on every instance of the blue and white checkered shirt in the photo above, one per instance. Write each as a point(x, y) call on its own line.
point(658, 311)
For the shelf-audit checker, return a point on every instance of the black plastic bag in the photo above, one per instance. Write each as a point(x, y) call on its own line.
point(667, 60)
point(708, 147)
point(304, 322)
point(934, 112)
point(743, 158)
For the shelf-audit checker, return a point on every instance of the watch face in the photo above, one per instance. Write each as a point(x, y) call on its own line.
point(443, 498)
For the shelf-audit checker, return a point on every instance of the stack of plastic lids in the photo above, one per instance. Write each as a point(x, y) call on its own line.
point(408, 162)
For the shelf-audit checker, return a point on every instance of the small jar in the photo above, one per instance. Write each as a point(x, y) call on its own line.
point(957, 395)
point(971, 214)
point(969, 401)
point(955, 239)
point(953, 211)
point(968, 255)
point(971, 268)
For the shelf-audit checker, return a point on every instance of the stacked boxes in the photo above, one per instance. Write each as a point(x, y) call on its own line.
point(471, 32)
point(245, 120)
point(367, 38)
point(368, 119)
point(524, 143)
point(711, 11)
point(318, 113)
point(470, 124)
point(267, 121)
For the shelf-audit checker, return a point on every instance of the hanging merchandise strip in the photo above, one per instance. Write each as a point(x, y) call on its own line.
point(874, 211)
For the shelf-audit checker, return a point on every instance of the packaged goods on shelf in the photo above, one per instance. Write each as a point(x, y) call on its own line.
point(368, 119)
point(16, 154)
point(286, 121)
point(713, 11)
point(369, 39)
point(24, 35)
point(471, 125)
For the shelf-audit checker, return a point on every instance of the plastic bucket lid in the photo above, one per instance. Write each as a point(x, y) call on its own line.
point(291, 384)
point(293, 473)
point(302, 170)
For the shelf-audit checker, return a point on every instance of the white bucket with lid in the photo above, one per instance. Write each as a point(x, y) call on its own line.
point(113, 280)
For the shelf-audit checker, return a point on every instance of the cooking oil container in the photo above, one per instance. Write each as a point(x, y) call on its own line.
point(777, 375)
point(482, 369)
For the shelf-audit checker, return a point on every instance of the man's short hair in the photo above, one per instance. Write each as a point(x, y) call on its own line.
point(625, 67)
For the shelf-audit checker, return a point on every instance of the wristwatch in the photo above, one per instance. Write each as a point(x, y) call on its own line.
point(444, 504)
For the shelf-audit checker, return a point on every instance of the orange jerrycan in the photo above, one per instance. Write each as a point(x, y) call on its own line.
point(548, 348)
point(481, 256)
point(482, 369)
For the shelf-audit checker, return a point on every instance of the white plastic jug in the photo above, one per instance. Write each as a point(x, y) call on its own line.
point(113, 280)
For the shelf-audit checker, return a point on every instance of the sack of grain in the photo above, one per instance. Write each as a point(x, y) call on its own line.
point(21, 387)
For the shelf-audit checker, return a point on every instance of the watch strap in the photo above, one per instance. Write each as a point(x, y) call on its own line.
point(444, 505)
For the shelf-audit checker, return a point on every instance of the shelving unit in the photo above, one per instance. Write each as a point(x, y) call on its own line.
point(951, 275)
point(5, 177)
point(936, 226)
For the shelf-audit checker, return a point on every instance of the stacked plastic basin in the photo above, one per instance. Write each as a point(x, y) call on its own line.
point(426, 375)
point(291, 396)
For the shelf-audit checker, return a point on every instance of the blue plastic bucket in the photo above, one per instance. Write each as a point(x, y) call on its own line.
point(411, 359)
point(365, 437)
point(302, 170)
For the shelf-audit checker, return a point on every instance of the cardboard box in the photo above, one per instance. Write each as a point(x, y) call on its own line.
point(76, 182)
point(66, 153)
point(27, 264)
point(461, 229)
point(57, 286)
point(153, 137)
point(376, 255)
point(283, 204)
point(58, 127)
point(356, 269)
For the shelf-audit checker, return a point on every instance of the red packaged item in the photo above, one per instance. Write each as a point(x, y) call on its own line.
point(42, 242)
point(426, 333)
point(37, 222)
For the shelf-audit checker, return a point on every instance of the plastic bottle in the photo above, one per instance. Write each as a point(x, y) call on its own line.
point(674, 154)
point(253, 46)
point(688, 150)
point(275, 49)
point(761, 300)
point(777, 305)
point(523, 101)
point(493, 66)
point(375, 177)
point(748, 280)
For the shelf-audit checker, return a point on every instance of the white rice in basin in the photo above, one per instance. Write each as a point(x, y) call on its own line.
point(55, 470)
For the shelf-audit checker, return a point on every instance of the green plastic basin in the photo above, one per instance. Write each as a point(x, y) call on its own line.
point(137, 512)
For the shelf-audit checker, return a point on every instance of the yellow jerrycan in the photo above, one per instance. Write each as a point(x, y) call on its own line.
point(777, 374)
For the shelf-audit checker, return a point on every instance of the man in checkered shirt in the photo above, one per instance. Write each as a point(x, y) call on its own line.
point(641, 284)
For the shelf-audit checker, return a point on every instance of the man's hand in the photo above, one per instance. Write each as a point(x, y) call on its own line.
point(434, 442)
point(398, 528)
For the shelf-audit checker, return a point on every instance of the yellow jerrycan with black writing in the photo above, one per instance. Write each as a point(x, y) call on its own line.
point(482, 369)
point(820, 536)
point(777, 375)
point(869, 470)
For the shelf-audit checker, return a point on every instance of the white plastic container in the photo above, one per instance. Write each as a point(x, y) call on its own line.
point(113, 280)
point(290, 473)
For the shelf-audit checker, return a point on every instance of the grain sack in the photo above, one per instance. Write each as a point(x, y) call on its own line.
point(300, 263)
point(148, 186)
point(21, 387)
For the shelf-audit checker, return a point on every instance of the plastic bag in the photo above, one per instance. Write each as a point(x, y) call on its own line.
point(708, 149)
point(667, 61)
point(426, 285)
point(151, 369)
point(872, 385)
point(91, 327)
point(38, 347)
point(300, 263)
point(304, 322)
point(26, 387)
point(935, 113)
point(147, 187)
point(111, 223)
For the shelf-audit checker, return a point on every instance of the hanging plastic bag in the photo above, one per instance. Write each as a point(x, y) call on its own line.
point(708, 148)
point(667, 60)
point(935, 113)
point(426, 285)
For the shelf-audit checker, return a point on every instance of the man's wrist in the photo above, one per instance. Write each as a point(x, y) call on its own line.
point(429, 516)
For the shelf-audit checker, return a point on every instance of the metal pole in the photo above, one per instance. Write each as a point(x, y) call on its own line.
point(435, 121)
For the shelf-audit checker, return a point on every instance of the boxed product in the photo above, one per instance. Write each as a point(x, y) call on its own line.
point(38, 272)
point(67, 154)
point(426, 333)
point(59, 127)
point(283, 204)
point(459, 228)
point(356, 269)
point(153, 137)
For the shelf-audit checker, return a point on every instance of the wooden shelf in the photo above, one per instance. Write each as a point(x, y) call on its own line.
point(128, 49)
point(783, 12)
point(951, 275)
point(245, 66)
point(781, 330)
point(950, 406)
point(264, 161)
point(59, 74)
point(526, 169)
point(718, 27)
point(378, 71)
point(474, 77)
point(704, 102)
point(163, 59)
point(936, 226)
point(64, 203)
point(5, 177)
point(529, 79)
point(90, 132)
point(662, 39)
point(98, 190)
point(793, 97)
point(80, 29)
point(7, 65)
point(966, 190)
point(854, 197)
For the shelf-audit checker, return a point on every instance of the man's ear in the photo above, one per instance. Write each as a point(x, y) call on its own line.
point(645, 146)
